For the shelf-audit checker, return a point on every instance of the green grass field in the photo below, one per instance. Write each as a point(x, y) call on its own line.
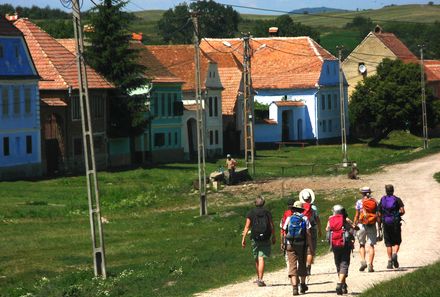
point(156, 243)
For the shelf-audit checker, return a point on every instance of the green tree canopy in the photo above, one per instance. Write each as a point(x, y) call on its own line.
point(362, 24)
point(215, 21)
point(286, 27)
point(110, 54)
point(391, 100)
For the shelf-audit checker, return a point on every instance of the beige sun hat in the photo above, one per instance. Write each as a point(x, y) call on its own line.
point(365, 190)
point(298, 205)
point(306, 194)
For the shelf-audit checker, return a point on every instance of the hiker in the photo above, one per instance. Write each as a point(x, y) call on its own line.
point(365, 219)
point(287, 213)
point(341, 238)
point(259, 220)
point(230, 164)
point(298, 237)
point(391, 209)
point(353, 174)
point(307, 197)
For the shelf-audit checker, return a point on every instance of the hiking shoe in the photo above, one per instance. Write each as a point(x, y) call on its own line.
point(370, 268)
point(394, 259)
point(363, 266)
point(261, 283)
point(339, 288)
point(295, 291)
point(304, 288)
point(344, 288)
point(390, 264)
point(309, 269)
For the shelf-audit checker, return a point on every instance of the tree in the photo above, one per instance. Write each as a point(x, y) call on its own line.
point(286, 27)
point(110, 54)
point(391, 100)
point(215, 21)
point(362, 24)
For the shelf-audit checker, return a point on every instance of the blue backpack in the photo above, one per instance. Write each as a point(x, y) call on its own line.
point(296, 230)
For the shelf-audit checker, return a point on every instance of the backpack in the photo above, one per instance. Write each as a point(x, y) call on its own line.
point(369, 208)
point(339, 236)
point(261, 229)
point(309, 213)
point(296, 230)
point(390, 209)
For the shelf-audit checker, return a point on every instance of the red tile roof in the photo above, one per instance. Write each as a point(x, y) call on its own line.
point(190, 106)
point(267, 122)
point(54, 102)
point(396, 46)
point(7, 29)
point(55, 63)
point(289, 103)
point(432, 69)
point(68, 43)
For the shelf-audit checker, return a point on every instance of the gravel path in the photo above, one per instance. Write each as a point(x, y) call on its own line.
point(414, 183)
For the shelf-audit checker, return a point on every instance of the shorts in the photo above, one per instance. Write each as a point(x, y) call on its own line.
point(392, 234)
point(367, 234)
point(314, 232)
point(261, 249)
point(342, 259)
point(296, 260)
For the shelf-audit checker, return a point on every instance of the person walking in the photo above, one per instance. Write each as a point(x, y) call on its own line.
point(298, 236)
point(259, 221)
point(287, 213)
point(307, 197)
point(365, 219)
point(231, 164)
point(341, 238)
point(391, 209)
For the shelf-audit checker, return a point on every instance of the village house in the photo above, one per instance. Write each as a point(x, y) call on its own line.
point(20, 153)
point(60, 118)
point(295, 78)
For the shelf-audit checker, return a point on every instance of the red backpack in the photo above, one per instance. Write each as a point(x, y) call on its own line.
point(309, 213)
point(339, 236)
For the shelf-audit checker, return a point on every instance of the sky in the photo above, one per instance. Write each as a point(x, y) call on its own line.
point(284, 5)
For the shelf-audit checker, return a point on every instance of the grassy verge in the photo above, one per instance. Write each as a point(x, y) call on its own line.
point(156, 243)
point(420, 283)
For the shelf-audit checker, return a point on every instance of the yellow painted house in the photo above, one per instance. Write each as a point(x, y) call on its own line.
point(375, 47)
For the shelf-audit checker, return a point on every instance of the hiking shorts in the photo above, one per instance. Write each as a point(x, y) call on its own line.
point(296, 260)
point(261, 249)
point(367, 234)
point(392, 234)
point(342, 259)
point(314, 232)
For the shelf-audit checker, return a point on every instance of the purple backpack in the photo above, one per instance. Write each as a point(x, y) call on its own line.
point(390, 209)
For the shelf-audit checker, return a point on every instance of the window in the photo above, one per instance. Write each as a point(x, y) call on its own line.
point(17, 51)
point(159, 139)
point(162, 112)
point(169, 139)
point(5, 146)
point(176, 139)
point(28, 144)
point(211, 138)
point(169, 105)
point(329, 102)
point(17, 146)
point(16, 101)
point(175, 113)
point(1, 51)
point(76, 110)
point(330, 124)
point(335, 101)
point(5, 101)
point(216, 136)
point(98, 143)
point(215, 106)
point(98, 107)
point(324, 126)
point(210, 106)
point(77, 147)
point(155, 105)
point(322, 102)
point(27, 100)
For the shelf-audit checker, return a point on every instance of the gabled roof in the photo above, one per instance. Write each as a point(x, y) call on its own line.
point(55, 64)
point(277, 62)
point(7, 29)
point(432, 69)
point(68, 43)
point(396, 46)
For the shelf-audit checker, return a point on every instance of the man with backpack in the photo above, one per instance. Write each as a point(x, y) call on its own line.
point(307, 197)
point(365, 219)
point(297, 237)
point(259, 221)
point(340, 234)
point(391, 209)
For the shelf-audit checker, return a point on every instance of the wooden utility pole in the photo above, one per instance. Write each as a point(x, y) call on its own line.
point(200, 121)
point(97, 232)
point(248, 107)
point(342, 109)
point(424, 116)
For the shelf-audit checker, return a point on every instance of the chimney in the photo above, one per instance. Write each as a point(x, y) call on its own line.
point(11, 17)
point(136, 37)
point(273, 31)
point(378, 29)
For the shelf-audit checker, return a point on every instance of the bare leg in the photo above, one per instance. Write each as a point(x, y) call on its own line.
point(371, 255)
point(396, 249)
point(260, 267)
point(362, 252)
point(389, 252)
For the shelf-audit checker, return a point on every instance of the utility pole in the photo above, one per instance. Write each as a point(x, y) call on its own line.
point(248, 106)
point(342, 110)
point(422, 82)
point(200, 121)
point(89, 153)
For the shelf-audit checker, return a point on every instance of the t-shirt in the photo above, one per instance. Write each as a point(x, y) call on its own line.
point(286, 214)
point(258, 211)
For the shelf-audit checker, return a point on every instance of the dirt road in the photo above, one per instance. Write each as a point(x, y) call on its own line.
point(414, 183)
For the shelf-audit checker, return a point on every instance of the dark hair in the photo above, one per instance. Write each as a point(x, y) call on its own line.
point(389, 189)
